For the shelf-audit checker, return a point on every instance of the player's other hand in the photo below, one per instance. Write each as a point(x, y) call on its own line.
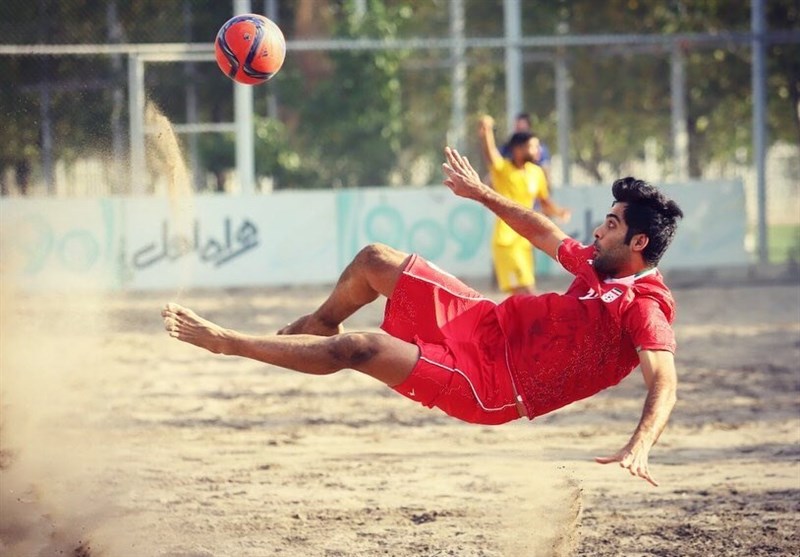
point(460, 176)
point(634, 459)
point(485, 124)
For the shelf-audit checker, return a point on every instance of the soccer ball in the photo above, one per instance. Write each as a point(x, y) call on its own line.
point(250, 48)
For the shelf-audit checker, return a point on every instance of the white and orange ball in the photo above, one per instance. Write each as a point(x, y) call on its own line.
point(250, 49)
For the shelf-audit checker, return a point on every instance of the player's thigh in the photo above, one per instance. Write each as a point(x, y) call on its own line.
point(391, 360)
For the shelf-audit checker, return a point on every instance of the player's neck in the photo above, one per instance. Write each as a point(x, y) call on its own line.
point(632, 269)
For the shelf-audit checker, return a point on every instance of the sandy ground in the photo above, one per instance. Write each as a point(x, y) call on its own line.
point(119, 441)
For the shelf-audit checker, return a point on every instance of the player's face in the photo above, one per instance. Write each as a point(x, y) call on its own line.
point(522, 125)
point(529, 151)
point(612, 254)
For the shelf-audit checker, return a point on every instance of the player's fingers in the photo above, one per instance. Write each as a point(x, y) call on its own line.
point(450, 156)
point(605, 459)
point(644, 473)
point(462, 159)
point(455, 160)
point(470, 169)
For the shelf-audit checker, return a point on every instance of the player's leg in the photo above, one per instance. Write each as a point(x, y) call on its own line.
point(381, 356)
point(514, 267)
point(374, 271)
point(507, 269)
point(523, 258)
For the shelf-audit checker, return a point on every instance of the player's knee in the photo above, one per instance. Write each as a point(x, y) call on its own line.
point(350, 350)
point(377, 256)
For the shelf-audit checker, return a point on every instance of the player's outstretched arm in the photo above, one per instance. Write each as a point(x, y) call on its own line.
point(658, 368)
point(491, 155)
point(465, 182)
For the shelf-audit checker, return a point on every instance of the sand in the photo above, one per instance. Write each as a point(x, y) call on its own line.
point(119, 441)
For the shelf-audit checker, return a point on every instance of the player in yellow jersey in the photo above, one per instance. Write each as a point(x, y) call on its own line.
point(520, 180)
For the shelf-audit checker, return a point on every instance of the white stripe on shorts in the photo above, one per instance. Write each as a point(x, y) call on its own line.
point(443, 287)
point(471, 386)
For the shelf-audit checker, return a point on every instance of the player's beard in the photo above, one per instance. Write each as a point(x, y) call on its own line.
point(607, 262)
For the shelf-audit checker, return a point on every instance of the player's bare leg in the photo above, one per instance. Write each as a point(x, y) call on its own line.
point(381, 356)
point(373, 271)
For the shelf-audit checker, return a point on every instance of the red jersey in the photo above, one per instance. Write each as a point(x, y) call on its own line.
point(566, 347)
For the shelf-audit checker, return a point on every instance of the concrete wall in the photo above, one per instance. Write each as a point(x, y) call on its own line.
point(306, 237)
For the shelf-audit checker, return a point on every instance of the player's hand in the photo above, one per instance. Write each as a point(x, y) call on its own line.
point(566, 215)
point(632, 457)
point(485, 125)
point(460, 177)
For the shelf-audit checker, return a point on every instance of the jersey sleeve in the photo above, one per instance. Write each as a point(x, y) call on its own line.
point(499, 167)
point(572, 255)
point(648, 327)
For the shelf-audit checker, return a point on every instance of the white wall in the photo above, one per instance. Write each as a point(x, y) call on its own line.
point(306, 237)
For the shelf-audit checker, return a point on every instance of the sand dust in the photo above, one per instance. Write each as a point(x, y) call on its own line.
point(165, 159)
point(50, 471)
point(143, 446)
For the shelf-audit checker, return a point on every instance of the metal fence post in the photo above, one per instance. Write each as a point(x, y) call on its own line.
point(680, 132)
point(759, 84)
point(564, 115)
point(138, 163)
point(458, 76)
point(512, 18)
point(245, 129)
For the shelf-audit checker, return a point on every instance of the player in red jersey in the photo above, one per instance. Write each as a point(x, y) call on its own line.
point(491, 363)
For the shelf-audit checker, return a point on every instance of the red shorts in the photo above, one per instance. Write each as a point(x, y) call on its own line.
point(462, 369)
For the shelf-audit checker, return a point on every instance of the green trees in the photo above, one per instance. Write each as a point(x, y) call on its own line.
point(349, 116)
point(371, 117)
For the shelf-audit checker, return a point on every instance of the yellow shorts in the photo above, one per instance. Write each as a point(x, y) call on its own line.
point(513, 265)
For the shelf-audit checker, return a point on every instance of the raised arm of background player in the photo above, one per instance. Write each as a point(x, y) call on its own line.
point(493, 159)
point(658, 367)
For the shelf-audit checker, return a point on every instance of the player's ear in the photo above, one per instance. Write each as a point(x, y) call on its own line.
point(639, 242)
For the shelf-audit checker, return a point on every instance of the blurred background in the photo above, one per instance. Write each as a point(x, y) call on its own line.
point(676, 91)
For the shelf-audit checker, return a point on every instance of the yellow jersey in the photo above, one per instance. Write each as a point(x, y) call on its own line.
point(524, 185)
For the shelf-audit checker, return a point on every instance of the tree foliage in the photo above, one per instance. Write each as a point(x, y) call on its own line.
point(367, 117)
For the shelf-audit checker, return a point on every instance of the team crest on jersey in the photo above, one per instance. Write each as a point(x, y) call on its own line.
point(611, 295)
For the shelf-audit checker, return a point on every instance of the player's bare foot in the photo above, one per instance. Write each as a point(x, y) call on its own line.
point(185, 325)
point(311, 325)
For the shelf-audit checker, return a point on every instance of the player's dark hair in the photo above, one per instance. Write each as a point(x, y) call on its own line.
point(524, 116)
point(648, 212)
point(519, 138)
